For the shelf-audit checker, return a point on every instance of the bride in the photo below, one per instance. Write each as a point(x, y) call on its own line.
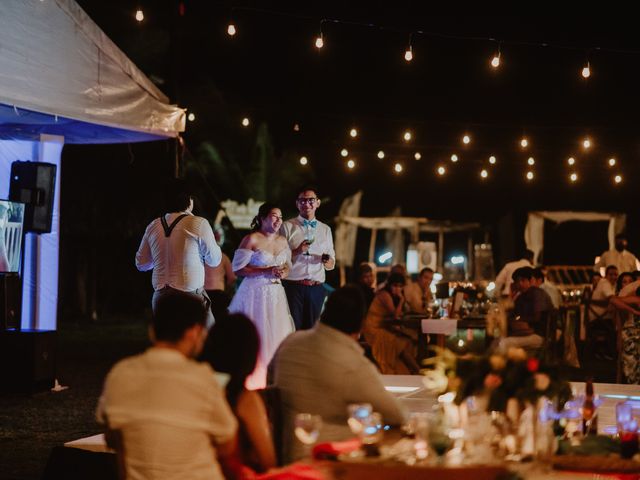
point(263, 258)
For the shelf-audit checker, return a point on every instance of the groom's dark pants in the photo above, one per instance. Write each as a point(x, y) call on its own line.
point(305, 301)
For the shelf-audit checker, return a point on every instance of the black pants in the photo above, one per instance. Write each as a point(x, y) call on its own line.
point(305, 303)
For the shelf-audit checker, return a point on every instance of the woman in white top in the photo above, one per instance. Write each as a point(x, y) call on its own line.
point(263, 259)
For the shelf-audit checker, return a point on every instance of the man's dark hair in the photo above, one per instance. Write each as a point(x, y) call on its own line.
point(174, 314)
point(232, 347)
point(363, 268)
point(306, 188)
point(621, 236)
point(522, 272)
point(178, 196)
point(528, 255)
point(610, 267)
point(621, 278)
point(425, 270)
point(345, 310)
point(537, 273)
point(594, 274)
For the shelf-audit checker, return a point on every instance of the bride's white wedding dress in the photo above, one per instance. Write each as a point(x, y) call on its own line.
point(262, 299)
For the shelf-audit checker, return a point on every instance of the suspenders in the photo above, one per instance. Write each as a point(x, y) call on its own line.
point(169, 228)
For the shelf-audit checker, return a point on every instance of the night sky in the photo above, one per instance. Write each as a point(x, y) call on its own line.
point(271, 72)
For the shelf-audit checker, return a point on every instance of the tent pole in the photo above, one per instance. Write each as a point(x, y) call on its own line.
point(372, 243)
point(441, 250)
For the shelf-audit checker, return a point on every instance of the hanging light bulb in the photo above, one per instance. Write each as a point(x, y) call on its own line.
point(612, 162)
point(617, 178)
point(571, 161)
point(344, 152)
point(398, 168)
point(586, 70)
point(351, 164)
point(380, 154)
point(466, 139)
point(417, 156)
point(408, 55)
point(573, 177)
point(319, 41)
point(231, 29)
point(454, 158)
point(495, 61)
point(304, 160)
point(529, 175)
point(245, 122)
point(524, 143)
point(191, 117)
point(492, 160)
point(353, 133)
point(441, 170)
point(586, 143)
point(531, 161)
point(139, 15)
point(484, 173)
point(296, 127)
point(407, 136)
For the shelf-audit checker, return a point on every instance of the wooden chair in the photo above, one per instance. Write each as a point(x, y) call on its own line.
point(273, 403)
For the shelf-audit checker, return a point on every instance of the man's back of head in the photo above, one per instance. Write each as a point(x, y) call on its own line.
point(176, 315)
point(178, 196)
point(345, 310)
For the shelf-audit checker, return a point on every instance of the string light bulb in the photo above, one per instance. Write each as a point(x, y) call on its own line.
point(245, 122)
point(191, 117)
point(231, 29)
point(531, 161)
point(466, 139)
point(524, 143)
point(351, 164)
point(296, 127)
point(571, 161)
point(380, 154)
point(398, 168)
point(454, 158)
point(586, 71)
point(344, 152)
point(617, 179)
point(492, 160)
point(304, 160)
point(139, 15)
point(573, 177)
point(417, 156)
point(353, 133)
point(529, 175)
point(408, 54)
point(441, 170)
point(586, 143)
point(407, 136)
point(319, 41)
point(495, 61)
point(484, 173)
point(612, 162)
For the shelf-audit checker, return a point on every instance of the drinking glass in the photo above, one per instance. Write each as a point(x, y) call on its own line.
point(439, 439)
point(309, 237)
point(372, 429)
point(307, 428)
point(358, 413)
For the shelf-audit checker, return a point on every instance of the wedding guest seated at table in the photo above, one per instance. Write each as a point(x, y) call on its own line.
point(365, 281)
point(418, 294)
point(601, 328)
point(393, 347)
point(630, 336)
point(232, 348)
point(624, 279)
point(527, 326)
point(399, 269)
point(323, 370)
point(538, 279)
point(165, 414)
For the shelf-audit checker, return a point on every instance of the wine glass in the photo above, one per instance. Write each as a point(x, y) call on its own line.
point(309, 236)
point(358, 413)
point(439, 439)
point(371, 433)
point(307, 429)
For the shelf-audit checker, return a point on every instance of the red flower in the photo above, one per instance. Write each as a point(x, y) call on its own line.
point(533, 364)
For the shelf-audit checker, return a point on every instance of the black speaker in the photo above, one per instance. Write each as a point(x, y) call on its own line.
point(10, 305)
point(33, 183)
point(27, 361)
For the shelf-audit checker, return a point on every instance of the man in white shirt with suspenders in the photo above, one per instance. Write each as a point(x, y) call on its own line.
point(176, 246)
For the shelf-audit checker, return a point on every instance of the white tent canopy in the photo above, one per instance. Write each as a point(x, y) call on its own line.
point(534, 231)
point(63, 81)
point(54, 60)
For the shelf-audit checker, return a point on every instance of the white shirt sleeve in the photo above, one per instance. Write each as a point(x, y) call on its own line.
point(209, 249)
point(144, 260)
point(330, 251)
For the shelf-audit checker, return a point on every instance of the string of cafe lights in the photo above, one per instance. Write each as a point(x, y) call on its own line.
point(441, 169)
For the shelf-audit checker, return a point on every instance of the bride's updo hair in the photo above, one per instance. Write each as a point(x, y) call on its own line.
point(263, 211)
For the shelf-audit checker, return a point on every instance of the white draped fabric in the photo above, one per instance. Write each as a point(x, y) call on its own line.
point(346, 233)
point(534, 231)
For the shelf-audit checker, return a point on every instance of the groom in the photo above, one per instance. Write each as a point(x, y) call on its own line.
point(312, 253)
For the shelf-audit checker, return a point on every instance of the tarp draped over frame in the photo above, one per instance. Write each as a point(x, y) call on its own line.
point(59, 73)
point(534, 231)
point(345, 241)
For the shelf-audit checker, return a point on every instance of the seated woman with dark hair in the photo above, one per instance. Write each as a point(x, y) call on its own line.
point(232, 347)
point(394, 350)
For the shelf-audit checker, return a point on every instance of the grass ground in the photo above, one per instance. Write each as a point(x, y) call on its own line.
point(30, 425)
